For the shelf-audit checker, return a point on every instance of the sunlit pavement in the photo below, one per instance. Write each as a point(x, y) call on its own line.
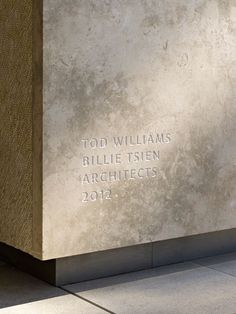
point(202, 286)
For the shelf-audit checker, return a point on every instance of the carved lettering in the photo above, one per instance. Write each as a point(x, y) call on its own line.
point(133, 161)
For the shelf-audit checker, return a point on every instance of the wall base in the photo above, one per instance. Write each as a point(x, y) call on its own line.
point(84, 267)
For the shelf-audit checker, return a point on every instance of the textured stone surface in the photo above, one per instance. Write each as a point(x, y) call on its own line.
point(21, 125)
point(16, 123)
point(116, 68)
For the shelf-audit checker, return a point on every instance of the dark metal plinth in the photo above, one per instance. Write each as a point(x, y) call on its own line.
point(117, 261)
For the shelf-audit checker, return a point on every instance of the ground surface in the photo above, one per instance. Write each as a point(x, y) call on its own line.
point(204, 286)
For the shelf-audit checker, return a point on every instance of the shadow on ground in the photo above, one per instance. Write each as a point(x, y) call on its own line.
point(132, 277)
point(17, 287)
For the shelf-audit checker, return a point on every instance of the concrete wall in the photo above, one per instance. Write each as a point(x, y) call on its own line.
point(16, 123)
point(20, 125)
point(162, 72)
point(120, 127)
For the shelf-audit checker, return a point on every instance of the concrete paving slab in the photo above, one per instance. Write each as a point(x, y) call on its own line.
point(21, 293)
point(59, 305)
point(224, 263)
point(183, 288)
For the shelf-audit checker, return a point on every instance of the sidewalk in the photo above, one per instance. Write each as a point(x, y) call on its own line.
point(204, 286)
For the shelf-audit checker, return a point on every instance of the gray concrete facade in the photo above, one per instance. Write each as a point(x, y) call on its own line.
point(139, 122)
point(132, 137)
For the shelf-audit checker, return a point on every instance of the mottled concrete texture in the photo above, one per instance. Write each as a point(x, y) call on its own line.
point(134, 68)
point(119, 128)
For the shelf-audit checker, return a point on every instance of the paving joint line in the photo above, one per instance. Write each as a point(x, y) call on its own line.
point(88, 301)
point(219, 271)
